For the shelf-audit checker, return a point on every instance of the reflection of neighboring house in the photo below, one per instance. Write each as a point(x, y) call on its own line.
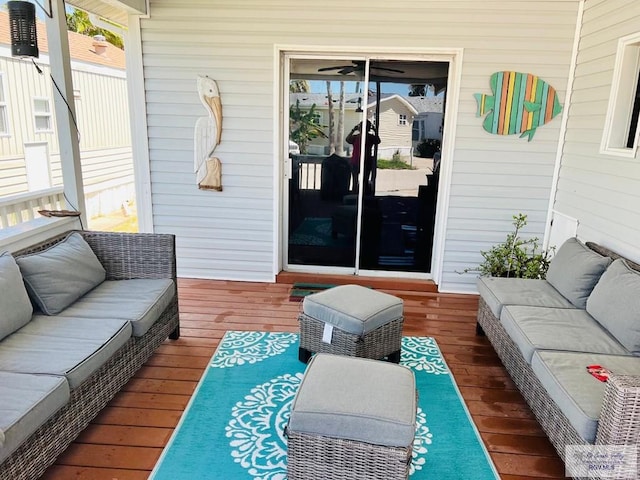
point(428, 123)
point(402, 122)
point(29, 150)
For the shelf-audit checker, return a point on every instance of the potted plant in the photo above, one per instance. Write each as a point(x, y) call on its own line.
point(515, 257)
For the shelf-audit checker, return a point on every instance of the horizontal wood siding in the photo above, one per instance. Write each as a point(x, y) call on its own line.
point(392, 134)
point(601, 191)
point(102, 113)
point(234, 42)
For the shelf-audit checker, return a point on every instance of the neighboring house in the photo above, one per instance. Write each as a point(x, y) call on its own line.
point(429, 122)
point(400, 117)
point(29, 151)
point(577, 167)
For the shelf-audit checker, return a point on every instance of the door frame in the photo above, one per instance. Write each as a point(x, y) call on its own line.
point(282, 168)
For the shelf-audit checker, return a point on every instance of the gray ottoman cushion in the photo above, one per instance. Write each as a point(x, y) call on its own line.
point(575, 270)
point(352, 308)
point(498, 291)
point(356, 399)
point(577, 393)
point(541, 328)
point(27, 402)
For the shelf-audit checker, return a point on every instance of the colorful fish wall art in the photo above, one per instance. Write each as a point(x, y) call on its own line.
point(521, 102)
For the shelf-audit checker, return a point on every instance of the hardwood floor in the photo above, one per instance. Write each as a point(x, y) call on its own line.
point(126, 438)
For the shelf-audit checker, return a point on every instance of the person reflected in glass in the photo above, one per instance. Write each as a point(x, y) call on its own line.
point(372, 139)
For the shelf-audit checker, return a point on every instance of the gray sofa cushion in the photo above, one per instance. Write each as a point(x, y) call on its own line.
point(15, 305)
point(70, 347)
point(27, 402)
point(58, 276)
point(574, 271)
point(578, 394)
point(615, 303)
point(356, 399)
point(139, 301)
point(541, 328)
point(353, 308)
point(498, 291)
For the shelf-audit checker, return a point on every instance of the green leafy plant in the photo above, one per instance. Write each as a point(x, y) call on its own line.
point(516, 257)
point(304, 125)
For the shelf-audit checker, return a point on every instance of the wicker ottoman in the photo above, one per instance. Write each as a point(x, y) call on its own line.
point(352, 418)
point(351, 320)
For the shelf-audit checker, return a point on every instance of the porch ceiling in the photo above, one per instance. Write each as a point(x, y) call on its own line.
point(392, 71)
point(116, 11)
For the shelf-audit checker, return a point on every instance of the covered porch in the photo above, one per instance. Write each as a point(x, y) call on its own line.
point(569, 176)
point(125, 440)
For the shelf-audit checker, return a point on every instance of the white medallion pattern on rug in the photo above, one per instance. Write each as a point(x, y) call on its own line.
point(256, 429)
point(423, 355)
point(239, 348)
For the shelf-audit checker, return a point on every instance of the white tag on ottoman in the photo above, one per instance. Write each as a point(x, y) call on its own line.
point(327, 333)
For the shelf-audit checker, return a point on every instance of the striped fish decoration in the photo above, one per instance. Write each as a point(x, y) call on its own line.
point(520, 103)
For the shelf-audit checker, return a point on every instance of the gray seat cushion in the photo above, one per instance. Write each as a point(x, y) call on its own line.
point(139, 301)
point(353, 308)
point(577, 393)
point(15, 305)
point(498, 291)
point(357, 399)
point(574, 271)
point(27, 402)
point(615, 304)
point(541, 328)
point(69, 347)
point(58, 276)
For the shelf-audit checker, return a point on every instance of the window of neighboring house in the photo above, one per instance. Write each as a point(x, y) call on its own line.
point(4, 117)
point(402, 119)
point(415, 131)
point(42, 115)
point(621, 126)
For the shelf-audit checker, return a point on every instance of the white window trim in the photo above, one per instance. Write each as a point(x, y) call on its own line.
point(4, 111)
point(42, 114)
point(403, 119)
point(621, 99)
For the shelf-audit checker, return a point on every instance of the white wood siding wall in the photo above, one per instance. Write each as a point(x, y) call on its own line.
point(601, 191)
point(102, 114)
point(230, 234)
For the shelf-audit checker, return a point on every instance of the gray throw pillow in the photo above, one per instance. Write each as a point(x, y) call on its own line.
point(615, 304)
point(58, 276)
point(574, 271)
point(15, 305)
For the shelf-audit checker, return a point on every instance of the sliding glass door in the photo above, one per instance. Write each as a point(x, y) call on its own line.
point(363, 157)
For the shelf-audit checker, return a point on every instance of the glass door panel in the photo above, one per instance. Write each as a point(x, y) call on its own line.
point(324, 102)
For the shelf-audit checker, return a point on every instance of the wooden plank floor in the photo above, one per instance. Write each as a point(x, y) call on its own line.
point(126, 438)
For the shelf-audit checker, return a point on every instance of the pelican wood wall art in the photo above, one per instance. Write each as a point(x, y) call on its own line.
point(207, 135)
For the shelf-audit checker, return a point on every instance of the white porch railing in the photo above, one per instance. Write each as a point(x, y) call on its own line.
point(16, 209)
point(307, 169)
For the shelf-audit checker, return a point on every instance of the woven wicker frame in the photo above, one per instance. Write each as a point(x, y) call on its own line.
point(314, 457)
point(619, 422)
point(124, 256)
point(376, 344)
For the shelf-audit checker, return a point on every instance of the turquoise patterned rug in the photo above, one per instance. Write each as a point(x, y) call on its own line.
point(233, 426)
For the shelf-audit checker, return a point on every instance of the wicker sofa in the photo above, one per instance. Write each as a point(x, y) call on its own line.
point(546, 332)
point(139, 281)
